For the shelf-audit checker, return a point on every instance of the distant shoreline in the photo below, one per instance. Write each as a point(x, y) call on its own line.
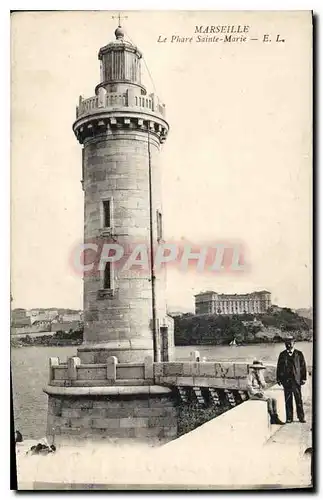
point(58, 339)
point(16, 344)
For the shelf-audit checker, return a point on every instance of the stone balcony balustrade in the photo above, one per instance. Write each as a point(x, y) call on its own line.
point(131, 98)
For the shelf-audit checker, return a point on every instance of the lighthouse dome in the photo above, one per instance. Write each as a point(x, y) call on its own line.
point(119, 33)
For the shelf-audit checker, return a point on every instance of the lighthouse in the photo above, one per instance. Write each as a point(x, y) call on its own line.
point(108, 390)
point(121, 130)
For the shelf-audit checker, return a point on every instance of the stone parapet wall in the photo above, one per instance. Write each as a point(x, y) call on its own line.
point(74, 373)
point(224, 375)
point(206, 374)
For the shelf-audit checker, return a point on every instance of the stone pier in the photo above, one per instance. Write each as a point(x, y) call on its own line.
point(136, 401)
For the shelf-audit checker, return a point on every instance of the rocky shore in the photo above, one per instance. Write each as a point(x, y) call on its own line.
point(61, 339)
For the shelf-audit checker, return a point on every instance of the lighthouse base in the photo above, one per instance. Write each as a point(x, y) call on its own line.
point(132, 413)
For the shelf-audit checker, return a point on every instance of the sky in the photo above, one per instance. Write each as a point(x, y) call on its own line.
point(236, 166)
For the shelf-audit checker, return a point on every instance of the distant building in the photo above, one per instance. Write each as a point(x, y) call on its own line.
point(227, 304)
point(19, 318)
point(42, 315)
point(68, 317)
point(71, 317)
point(254, 322)
point(45, 324)
point(66, 326)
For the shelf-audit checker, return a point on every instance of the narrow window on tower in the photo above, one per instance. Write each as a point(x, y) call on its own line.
point(106, 213)
point(107, 276)
point(159, 226)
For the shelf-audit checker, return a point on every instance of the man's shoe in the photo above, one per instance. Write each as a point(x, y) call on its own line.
point(302, 420)
point(289, 421)
point(275, 420)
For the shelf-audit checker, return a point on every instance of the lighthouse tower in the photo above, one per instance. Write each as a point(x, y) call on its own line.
point(111, 388)
point(121, 130)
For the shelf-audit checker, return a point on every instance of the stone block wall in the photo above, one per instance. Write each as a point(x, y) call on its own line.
point(143, 418)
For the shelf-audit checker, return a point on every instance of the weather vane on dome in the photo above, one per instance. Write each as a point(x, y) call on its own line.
point(119, 17)
point(119, 32)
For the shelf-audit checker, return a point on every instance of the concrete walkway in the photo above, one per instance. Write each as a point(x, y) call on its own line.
point(284, 455)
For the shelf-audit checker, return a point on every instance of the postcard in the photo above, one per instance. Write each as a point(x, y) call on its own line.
point(161, 233)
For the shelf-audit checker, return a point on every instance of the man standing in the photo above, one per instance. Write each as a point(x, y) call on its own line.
point(291, 374)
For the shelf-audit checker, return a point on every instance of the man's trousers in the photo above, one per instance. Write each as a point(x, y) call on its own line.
point(291, 390)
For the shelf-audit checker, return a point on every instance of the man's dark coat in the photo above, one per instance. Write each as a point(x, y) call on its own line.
point(299, 372)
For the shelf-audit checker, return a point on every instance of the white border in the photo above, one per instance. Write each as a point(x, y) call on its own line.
point(315, 5)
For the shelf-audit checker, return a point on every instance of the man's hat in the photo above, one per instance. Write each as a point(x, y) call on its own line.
point(289, 339)
point(257, 365)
